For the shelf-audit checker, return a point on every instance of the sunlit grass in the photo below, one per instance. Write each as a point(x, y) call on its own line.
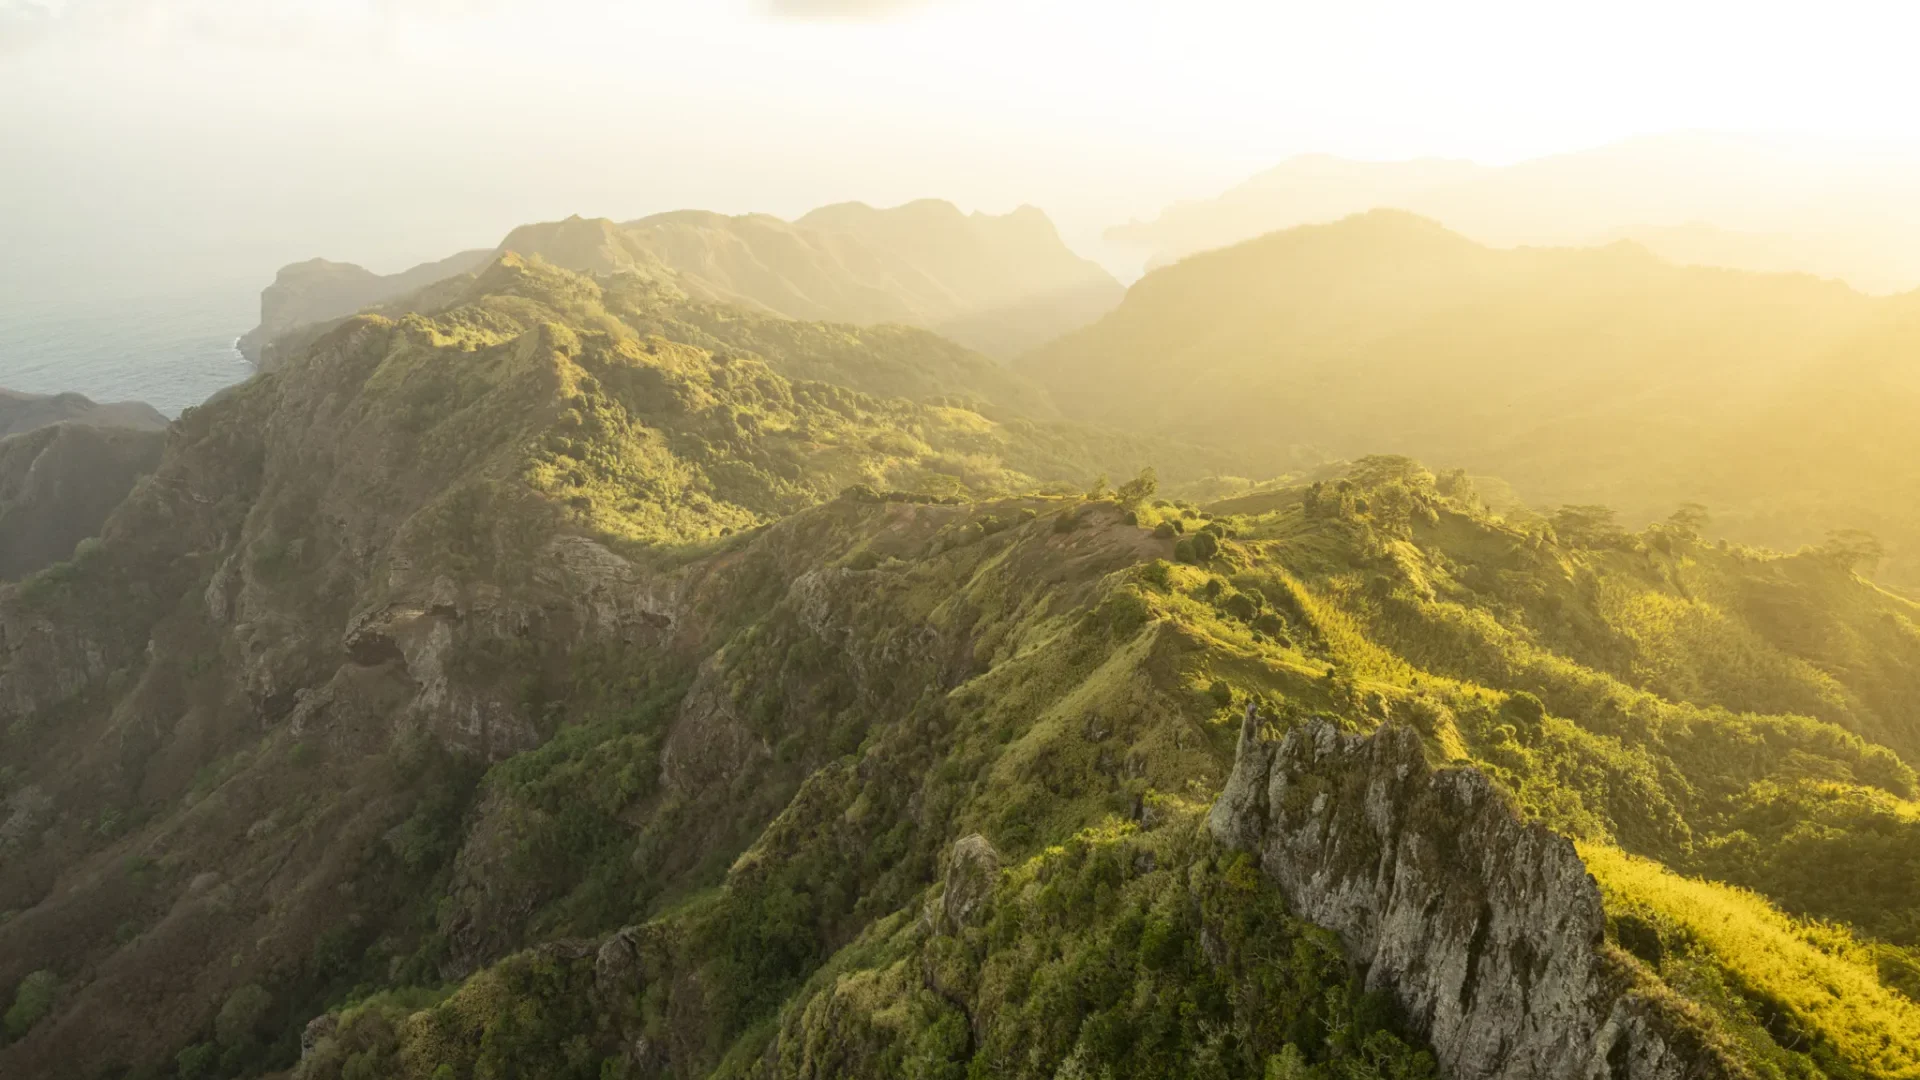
point(1818, 972)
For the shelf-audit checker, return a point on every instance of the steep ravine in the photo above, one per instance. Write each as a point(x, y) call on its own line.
point(1486, 929)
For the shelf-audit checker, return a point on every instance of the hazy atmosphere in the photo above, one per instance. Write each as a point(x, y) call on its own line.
point(959, 539)
point(224, 136)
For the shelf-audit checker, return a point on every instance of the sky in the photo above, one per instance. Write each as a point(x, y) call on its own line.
point(206, 138)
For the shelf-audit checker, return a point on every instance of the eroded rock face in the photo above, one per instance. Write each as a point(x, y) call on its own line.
point(973, 869)
point(1487, 930)
point(319, 1029)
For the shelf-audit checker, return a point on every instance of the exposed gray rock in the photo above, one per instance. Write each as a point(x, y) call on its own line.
point(318, 1029)
point(27, 812)
point(1488, 930)
point(973, 869)
point(710, 745)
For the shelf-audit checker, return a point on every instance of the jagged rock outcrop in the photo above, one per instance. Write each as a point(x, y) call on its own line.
point(973, 869)
point(1487, 930)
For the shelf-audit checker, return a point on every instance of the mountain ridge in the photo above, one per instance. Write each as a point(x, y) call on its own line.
point(22, 412)
point(1775, 205)
point(998, 283)
point(1386, 331)
point(558, 675)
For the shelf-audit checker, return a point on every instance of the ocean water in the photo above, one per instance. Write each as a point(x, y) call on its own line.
point(170, 346)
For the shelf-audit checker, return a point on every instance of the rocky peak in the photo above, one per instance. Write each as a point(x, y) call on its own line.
point(1488, 930)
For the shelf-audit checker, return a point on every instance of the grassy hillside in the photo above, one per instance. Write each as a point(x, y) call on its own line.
point(564, 679)
point(1582, 376)
point(1081, 757)
point(59, 483)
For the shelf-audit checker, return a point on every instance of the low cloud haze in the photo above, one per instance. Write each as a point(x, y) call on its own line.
point(838, 9)
point(237, 135)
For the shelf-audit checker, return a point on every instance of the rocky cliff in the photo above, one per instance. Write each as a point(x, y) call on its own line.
point(1486, 929)
point(321, 290)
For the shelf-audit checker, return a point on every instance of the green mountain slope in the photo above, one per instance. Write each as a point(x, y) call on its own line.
point(1377, 602)
point(543, 683)
point(65, 463)
point(1580, 375)
point(59, 483)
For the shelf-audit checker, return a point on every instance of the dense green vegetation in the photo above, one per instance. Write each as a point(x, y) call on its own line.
point(1346, 600)
point(560, 677)
point(1589, 375)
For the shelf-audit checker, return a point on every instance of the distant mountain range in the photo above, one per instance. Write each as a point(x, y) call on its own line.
point(1743, 203)
point(999, 284)
point(21, 413)
point(1582, 375)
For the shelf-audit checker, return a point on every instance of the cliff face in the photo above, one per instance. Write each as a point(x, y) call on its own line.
point(1487, 930)
point(320, 290)
point(59, 483)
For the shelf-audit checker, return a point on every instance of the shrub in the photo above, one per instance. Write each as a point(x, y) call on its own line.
point(196, 1062)
point(1139, 489)
point(240, 1017)
point(1205, 546)
point(32, 1001)
point(1526, 711)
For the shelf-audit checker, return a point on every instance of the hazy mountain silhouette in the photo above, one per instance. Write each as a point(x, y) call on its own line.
point(1000, 284)
point(1713, 199)
point(1581, 375)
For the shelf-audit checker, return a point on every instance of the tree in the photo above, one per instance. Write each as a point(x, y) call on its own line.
point(1587, 525)
point(1689, 520)
point(1455, 484)
point(241, 1015)
point(1377, 469)
point(1140, 488)
point(1854, 550)
point(32, 1001)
